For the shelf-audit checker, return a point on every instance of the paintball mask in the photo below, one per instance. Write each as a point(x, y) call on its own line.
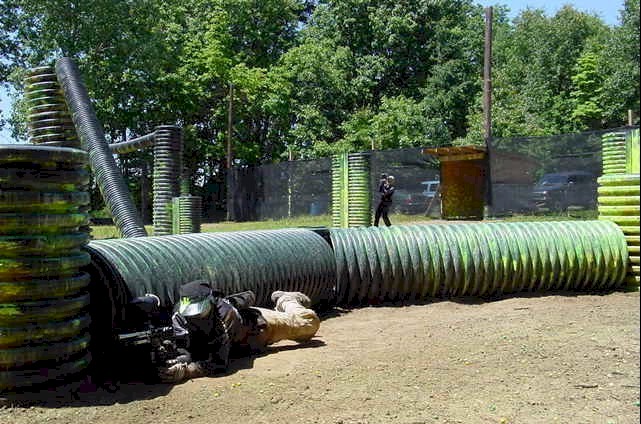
point(196, 300)
point(196, 305)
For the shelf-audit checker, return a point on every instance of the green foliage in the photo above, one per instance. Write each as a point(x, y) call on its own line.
point(320, 77)
point(586, 94)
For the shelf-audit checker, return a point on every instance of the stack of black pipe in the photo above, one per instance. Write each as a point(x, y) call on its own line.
point(167, 173)
point(187, 212)
point(48, 119)
point(43, 294)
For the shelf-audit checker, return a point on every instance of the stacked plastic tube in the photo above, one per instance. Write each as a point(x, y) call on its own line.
point(92, 139)
point(48, 119)
point(619, 203)
point(186, 214)
point(619, 192)
point(261, 261)
point(613, 152)
point(351, 190)
point(420, 261)
point(338, 176)
point(43, 295)
point(167, 172)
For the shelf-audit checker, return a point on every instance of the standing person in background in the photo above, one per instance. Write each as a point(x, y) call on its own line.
point(386, 188)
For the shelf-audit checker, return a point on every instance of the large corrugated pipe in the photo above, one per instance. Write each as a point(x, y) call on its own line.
point(261, 261)
point(632, 152)
point(48, 119)
point(360, 194)
point(167, 171)
point(351, 192)
point(613, 152)
point(44, 323)
point(110, 181)
point(421, 261)
point(133, 145)
point(619, 202)
point(338, 175)
point(186, 214)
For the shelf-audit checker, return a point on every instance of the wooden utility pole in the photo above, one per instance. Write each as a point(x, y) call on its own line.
point(230, 124)
point(487, 79)
point(487, 100)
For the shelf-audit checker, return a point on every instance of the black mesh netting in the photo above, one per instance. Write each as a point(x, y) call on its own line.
point(529, 175)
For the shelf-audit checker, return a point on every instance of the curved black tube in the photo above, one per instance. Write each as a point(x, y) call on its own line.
point(92, 138)
point(133, 145)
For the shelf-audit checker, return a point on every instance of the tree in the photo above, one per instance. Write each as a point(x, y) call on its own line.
point(619, 65)
point(587, 92)
point(535, 58)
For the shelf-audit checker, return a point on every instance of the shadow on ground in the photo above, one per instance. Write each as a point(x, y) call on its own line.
point(87, 393)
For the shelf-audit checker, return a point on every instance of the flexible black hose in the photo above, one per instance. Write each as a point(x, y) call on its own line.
point(110, 181)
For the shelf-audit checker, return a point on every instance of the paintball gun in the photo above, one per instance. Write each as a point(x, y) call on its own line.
point(157, 342)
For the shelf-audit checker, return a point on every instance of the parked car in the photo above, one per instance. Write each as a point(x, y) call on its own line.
point(413, 202)
point(431, 188)
point(556, 192)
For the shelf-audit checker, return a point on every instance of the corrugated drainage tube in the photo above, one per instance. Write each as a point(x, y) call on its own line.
point(421, 261)
point(262, 261)
point(48, 119)
point(167, 171)
point(133, 145)
point(110, 181)
point(44, 323)
point(186, 213)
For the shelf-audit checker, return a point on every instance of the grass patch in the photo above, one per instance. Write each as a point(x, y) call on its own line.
point(109, 231)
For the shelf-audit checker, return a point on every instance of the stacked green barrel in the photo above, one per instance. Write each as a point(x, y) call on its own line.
point(619, 192)
point(48, 119)
point(613, 152)
point(167, 172)
point(43, 294)
point(339, 169)
point(414, 262)
point(186, 214)
point(351, 190)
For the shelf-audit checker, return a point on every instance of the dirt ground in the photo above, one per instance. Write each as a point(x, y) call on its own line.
point(541, 359)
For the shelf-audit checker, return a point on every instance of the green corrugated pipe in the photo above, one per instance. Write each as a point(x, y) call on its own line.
point(186, 214)
point(619, 202)
point(43, 294)
point(48, 119)
point(261, 261)
point(337, 183)
point(360, 195)
point(613, 152)
point(632, 152)
point(351, 191)
point(420, 261)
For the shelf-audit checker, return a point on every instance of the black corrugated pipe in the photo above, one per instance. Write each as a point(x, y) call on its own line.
point(167, 171)
point(133, 145)
point(261, 261)
point(110, 181)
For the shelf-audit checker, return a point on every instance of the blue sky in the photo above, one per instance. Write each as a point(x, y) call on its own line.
point(607, 10)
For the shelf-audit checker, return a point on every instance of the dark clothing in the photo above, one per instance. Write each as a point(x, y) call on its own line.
point(209, 339)
point(382, 210)
point(387, 191)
